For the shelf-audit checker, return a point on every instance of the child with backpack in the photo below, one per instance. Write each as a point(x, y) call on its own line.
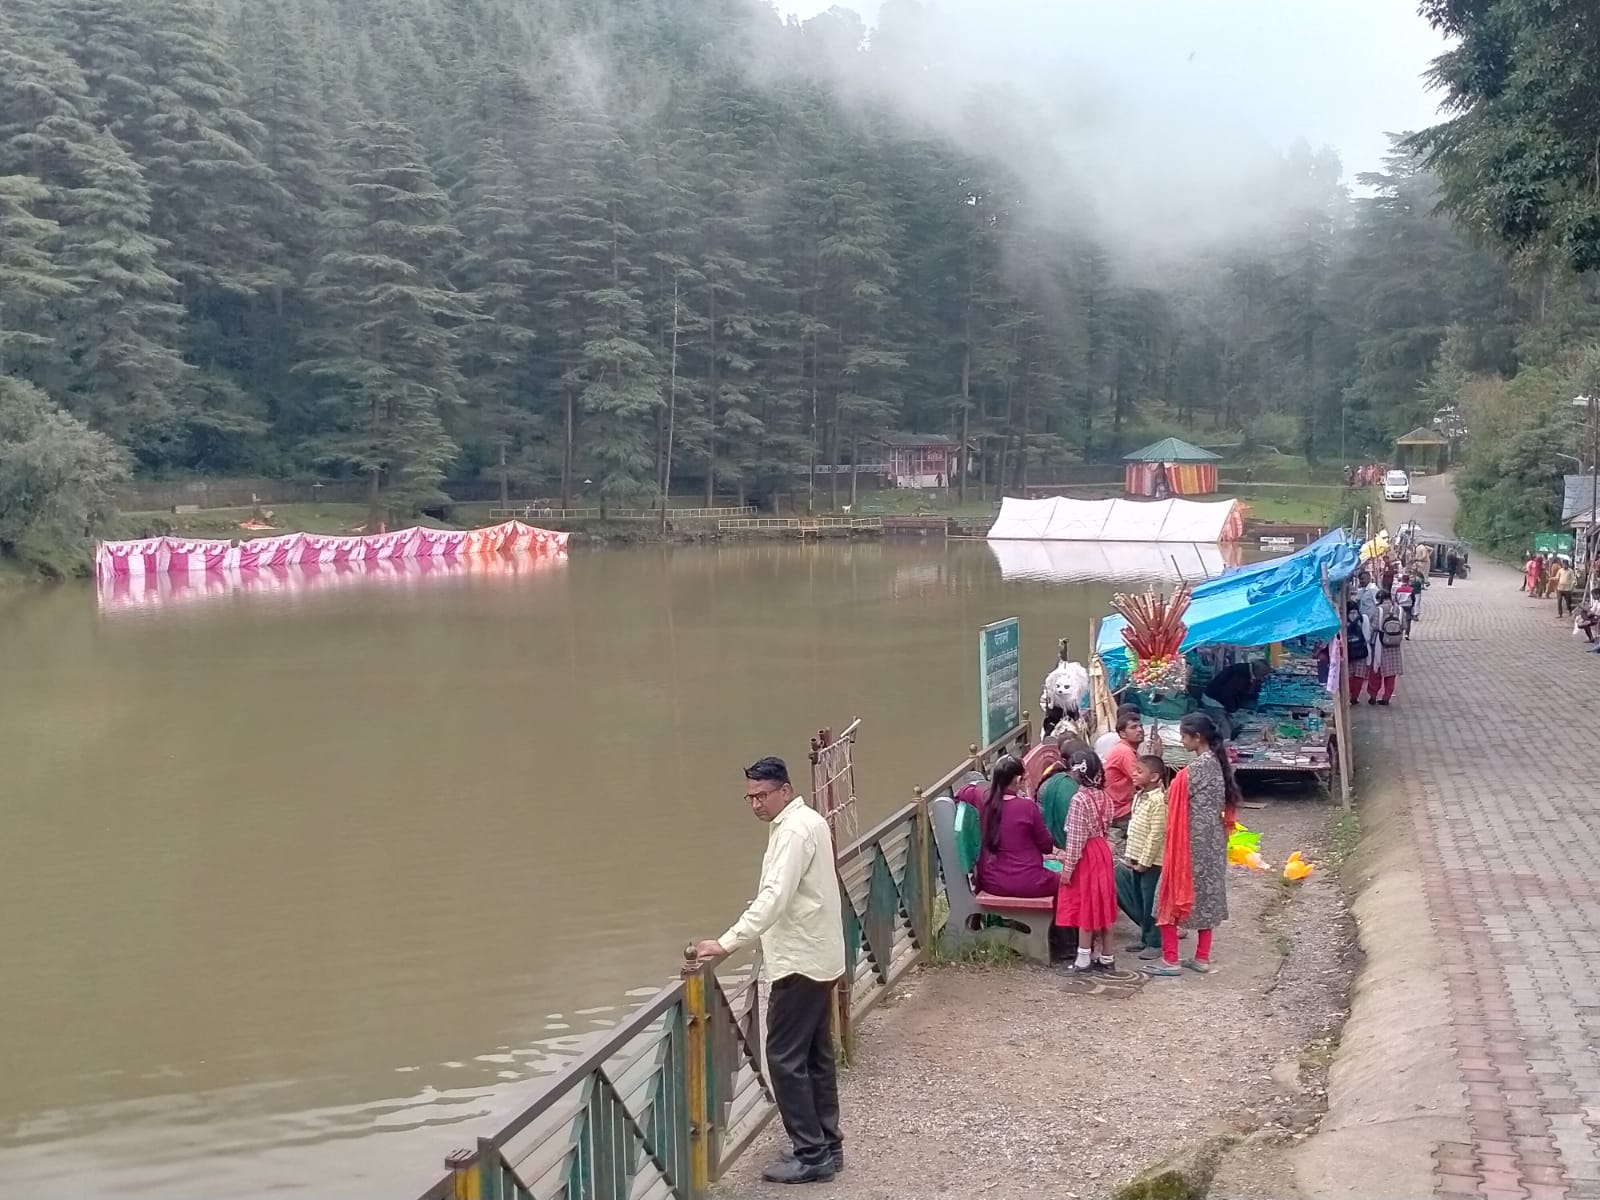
point(1405, 597)
point(1387, 665)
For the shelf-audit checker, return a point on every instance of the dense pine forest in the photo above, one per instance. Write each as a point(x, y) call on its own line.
point(616, 248)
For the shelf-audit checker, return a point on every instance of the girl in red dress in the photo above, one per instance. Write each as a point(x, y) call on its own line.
point(1087, 900)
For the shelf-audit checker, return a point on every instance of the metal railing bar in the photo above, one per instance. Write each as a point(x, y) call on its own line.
point(591, 1061)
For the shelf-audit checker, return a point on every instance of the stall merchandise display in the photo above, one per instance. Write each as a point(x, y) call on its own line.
point(1288, 727)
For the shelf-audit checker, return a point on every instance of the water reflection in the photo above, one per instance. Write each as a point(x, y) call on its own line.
point(1080, 562)
point(141, 593)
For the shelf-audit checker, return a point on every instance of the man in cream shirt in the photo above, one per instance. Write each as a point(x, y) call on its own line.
point(797, 917)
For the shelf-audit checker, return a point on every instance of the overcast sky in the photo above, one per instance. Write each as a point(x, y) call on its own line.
point(1336, 72)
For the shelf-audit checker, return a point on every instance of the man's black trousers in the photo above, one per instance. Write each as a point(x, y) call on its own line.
point(801, 1063)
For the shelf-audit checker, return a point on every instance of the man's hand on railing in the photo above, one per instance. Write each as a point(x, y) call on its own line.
point(702, 954)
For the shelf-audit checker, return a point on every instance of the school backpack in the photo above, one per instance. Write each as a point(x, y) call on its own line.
point(1390, 628)
point(1355, 642)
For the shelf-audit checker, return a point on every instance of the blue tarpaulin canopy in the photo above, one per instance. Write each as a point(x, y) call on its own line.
point(1338, 551)
point(1255, 605)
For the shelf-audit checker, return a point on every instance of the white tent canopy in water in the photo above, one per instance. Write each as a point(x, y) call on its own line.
point(1073, 562)
point(1058, 519)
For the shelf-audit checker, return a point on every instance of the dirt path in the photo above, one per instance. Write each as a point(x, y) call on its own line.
point(1009, 1083)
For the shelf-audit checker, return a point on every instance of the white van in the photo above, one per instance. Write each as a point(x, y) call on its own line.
point(1397, 486)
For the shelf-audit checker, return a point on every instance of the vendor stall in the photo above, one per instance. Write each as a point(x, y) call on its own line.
point(1264, 655)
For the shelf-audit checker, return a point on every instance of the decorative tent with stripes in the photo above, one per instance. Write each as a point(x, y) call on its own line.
point(1170, 467)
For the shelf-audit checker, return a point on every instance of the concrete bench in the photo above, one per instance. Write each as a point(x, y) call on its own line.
point(1026, 920)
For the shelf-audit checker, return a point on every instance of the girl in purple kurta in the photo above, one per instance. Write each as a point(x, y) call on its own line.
point(1015, 840)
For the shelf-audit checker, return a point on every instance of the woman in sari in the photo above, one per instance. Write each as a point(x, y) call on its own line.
point(1194, 871)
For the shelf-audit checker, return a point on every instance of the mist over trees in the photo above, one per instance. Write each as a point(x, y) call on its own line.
point(607, 248)
point(1518, 165)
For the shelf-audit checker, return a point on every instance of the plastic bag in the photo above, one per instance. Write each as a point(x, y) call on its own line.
point(1244, 848)
point(1296, 868)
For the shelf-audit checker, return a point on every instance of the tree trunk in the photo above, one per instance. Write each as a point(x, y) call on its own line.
point(1022, 446)
point(567, 450)
point(711, 408)
point(372, 500)
point(855, 463)
point(505, 481)
point(966, 397)
point(377, 471)
point(672, 409)
point(811, 480)
point(833, 457)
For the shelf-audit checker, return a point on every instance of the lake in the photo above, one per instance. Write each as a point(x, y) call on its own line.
point(307, 880)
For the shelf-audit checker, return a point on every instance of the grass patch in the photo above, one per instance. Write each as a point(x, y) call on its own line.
point(980, 950)
point(1319, 1055)
point(1343, 839)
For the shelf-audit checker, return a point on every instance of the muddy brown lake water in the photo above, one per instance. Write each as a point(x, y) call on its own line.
point(303, 885)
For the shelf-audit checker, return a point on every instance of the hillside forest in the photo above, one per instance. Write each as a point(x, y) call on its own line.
point(600, 250)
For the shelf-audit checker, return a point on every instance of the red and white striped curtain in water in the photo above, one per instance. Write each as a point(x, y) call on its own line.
point(182, 556)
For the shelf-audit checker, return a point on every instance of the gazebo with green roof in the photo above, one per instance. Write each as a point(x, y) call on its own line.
point(1171, 467)
point(1423, 451)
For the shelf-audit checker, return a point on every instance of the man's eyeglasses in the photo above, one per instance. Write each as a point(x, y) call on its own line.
point(754, 797)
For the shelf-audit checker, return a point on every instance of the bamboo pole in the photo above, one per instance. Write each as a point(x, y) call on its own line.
point(1341, 704)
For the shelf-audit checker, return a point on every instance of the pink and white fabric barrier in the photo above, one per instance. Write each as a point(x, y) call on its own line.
point(140, 593)
point(187, 556)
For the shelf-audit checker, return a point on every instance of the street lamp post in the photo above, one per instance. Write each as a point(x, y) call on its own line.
point(1590, 402)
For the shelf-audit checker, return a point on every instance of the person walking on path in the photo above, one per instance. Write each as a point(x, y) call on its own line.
point(1566, 590)
point(798, 919)
point(1452, 566)
point(1387, 664)
point(1405, 596)
point(1357, 650)
point(1194, 866)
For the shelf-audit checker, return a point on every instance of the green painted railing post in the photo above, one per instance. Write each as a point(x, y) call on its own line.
point(697, 1022)
point(922, 847)
point(491, 1176)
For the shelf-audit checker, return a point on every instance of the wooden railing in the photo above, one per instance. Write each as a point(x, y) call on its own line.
point(802, 524)
point(662, 1105)
point(535, 511)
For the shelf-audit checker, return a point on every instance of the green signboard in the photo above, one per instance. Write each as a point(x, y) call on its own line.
point(1552, 543)
point(999, 679)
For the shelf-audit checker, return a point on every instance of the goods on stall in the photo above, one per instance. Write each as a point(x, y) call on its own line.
point(1155, 632)
point(1288, 724)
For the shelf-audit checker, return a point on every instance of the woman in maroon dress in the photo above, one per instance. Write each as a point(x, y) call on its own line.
point(1015, 840)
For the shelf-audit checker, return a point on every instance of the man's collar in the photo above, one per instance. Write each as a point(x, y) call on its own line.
point(789, 808)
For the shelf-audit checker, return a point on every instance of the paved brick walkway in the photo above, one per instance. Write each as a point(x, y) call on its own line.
point(1497, 732)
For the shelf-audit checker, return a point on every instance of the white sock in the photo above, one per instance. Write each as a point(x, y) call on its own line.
point(1084, 958)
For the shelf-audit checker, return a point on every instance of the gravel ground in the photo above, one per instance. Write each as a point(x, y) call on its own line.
point(1000, 1083)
